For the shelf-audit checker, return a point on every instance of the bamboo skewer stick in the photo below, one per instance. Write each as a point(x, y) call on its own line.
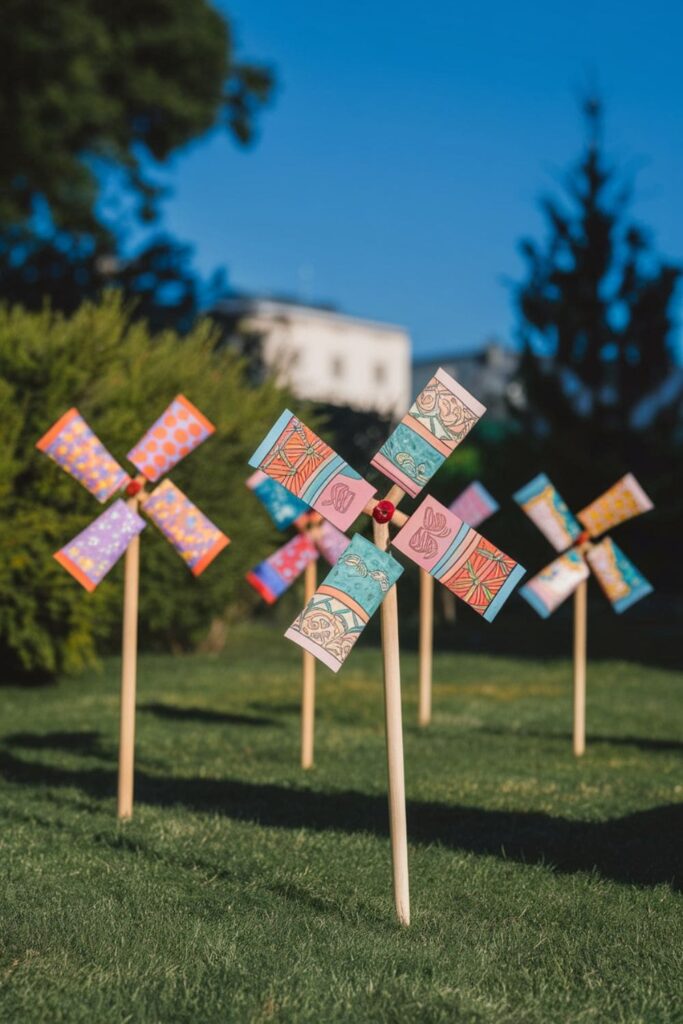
point(129, 673)
point(426, 646)
point(580, 622)
point(394, 732)
point(308, 680)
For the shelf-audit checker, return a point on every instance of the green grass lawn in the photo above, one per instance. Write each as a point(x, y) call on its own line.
point(543, 890)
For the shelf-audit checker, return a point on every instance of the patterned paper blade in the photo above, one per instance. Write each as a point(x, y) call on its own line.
point(545, 508)
point(282, 507)
point(339, 610)
point(196, 539)
point(549, 588)
point(90, 555)
point(440, 418)
point(301, 461)
point(331, 542)
point(459, 557)
point(623, 501)
point(277, 573)
point(72, 444)
point(177, 432)
point(621, 582)
point(474, 505)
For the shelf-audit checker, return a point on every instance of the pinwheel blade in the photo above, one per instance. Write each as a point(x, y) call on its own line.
point(177, 432)
point(474, 504)
point(621, 582)
point(440, 418)
point(196, 539)
point(623, 501)
point(547, 590)
point(282, 507)
point(72, 444)
point(544, 506)
point(277, 573)
point(293, 455)
point(95, 550)
point(465, 562)
point(339, 611)
point(331, 542)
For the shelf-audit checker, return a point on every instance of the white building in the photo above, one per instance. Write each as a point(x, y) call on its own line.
point(324, 356)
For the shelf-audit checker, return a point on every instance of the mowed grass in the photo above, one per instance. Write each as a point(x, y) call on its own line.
point(543, 889)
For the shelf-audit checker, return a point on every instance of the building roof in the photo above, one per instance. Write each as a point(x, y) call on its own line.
point(285, 309)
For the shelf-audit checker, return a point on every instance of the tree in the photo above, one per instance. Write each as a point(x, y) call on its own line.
point(120, 377)
point(596, 315)
point(93, 97)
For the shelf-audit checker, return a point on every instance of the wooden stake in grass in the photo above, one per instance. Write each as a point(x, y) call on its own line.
point(275, 574)
point(473, 506)
point(620, 580)
point(580, 620)
point(92, 553)
point(364, 576)
point(308, 680)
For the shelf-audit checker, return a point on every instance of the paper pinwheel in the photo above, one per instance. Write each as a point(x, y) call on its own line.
point(272, 577)
point(473, 506)
point(363, 578)
point(92, 553)
point(618, 577)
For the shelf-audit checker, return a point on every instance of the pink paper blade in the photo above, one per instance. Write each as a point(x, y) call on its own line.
point(623, 501)
point(549, 588)
point(331, 542)
point(72, 444)
point(177, 432)
point(196, 539)
point(90, 555)
point(272, 577)
point(469, 565)
point(439, 419)
point(474, 504)
point(297, 458)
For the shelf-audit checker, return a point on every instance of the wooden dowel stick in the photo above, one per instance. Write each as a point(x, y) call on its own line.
point(426, 646)
point(308, 680)
point(580, 616)
point(394, 730)
point(129, 674)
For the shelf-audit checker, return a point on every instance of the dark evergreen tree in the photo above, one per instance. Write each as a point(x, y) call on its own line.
point(596, 317)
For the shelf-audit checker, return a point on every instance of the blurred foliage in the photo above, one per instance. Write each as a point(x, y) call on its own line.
point(601, 376)
point(121, 378)
point(88, 86)
point(94, 98)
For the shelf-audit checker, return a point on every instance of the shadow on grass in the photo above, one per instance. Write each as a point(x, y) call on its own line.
point(642, 848)
point(172, 711)
point(640, 742)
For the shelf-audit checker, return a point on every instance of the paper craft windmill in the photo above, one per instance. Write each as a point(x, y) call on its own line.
point(364, 576)
point(272, 577)
point(473, 506)
point(619, 579)
point(89, 556)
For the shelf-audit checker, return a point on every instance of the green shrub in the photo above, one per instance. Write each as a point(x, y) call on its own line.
point(121, 379)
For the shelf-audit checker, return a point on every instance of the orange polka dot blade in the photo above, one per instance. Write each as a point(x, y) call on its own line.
point(177, 432)
point(196, 539)
point(71, 443)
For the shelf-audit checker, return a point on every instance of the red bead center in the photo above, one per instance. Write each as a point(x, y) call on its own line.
point(383, 511)
point(133, 487)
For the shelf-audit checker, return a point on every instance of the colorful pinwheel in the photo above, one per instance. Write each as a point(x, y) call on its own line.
point(92, 553)
point(363, 577)
point(620, 580)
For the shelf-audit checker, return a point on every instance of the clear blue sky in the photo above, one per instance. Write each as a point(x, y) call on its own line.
point(408, 143)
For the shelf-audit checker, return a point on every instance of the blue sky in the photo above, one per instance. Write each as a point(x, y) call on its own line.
point(407, 144)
